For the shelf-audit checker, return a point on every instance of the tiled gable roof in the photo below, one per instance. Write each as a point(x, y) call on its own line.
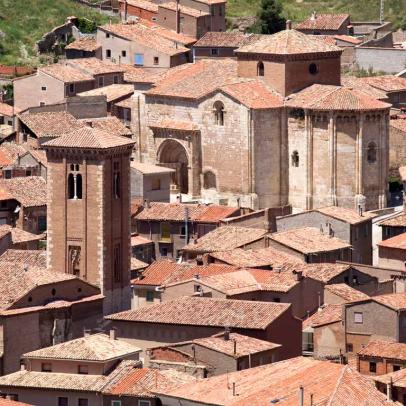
point(30, 258)
point(160, 272)
point(397, 221)
point(30, 191)
point(18, 235)
point(328, 97)
point(225, 238)
point(136, 264)
point(89, 137)
point(110, 124)
point(347, 215)
point(346, 292)
point(193, 12)
point(143, 4)
point(6, 109)
point(384, 349)
point(49, 124)
point(326, 382)
point(329, 313)
point(363, 87)
point(176, 212)
point(200, 311)
point(387, 83)
point(213, 39)
point(148, 169)
point(174, 124)
point(254, 258)
point(308, 240)
point(66, 73)
point(323, 22)
point(138, 74)
point(397, 378)
point(95, 347)
point(397, 242)
point(325, 272)
point(288, 42)
point(396, 301)
point(88, 44)
point(94, 66)
point(112, 92)
point(400, 124)
point(7, 402)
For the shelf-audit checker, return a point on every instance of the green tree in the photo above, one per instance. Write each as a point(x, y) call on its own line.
point(270, 18)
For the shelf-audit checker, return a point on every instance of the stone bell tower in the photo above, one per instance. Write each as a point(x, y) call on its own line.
point(89, 211)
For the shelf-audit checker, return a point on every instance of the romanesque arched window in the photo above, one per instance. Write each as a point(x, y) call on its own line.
point(260, 69)
point(371, 152)
point(219, 113)
point(209, 180)
point(295, 159)
point(116, 180)
point(74, 182)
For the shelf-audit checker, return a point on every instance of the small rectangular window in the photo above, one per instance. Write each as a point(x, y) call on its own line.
point(156, 60)
point(350, 347)
point(42, 104)
point(62, 401)
point(71, 88)
point(83, 369)
point(372, 367)
point(46, 367)
point(276, 300)
point(115, 79)
point(358, 318)
point(108, 53)
point(156, 184)
point(117, 263)
point(197, 288)
point(83, 402)
point(214, 51)
point(116, 403)
point(124, 53)
point(101, 81)
point(107, 35)
point(165, 232)
point(139, 59)
point(150, 296)
point(164, 252)
point(43, 88)
point(144, 403)
point(396, 368)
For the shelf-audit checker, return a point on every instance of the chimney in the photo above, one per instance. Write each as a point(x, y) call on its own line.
point(146, 203)
point(321, 229)
point(22, 367)
point(360, 210)
point(234, 393)
point(199, 260)
point(301, 396)
point(196, 276)
point(278, 269)
point(389, 391)
point(226, 334)
point(125, 10)
point(298, 275)
point(235, 347)
point(113, 334)
point(288, 24)
point(329, 230)
point(313, 16)
point(86, 332)
point(177, 18)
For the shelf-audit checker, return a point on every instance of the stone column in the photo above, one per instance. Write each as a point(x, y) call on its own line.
point(383, 159)
point(333, 158)
point(309, 162)
point(359, 198)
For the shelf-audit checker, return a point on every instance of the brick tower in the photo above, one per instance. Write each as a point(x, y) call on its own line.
point(89, 211)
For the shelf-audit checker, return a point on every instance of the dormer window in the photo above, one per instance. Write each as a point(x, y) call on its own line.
point(260, 69)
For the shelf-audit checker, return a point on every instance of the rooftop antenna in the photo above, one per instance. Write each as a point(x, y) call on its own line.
point(382, 12)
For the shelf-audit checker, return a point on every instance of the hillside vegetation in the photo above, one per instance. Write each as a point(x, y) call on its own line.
point(23, 22)
point(297, 10)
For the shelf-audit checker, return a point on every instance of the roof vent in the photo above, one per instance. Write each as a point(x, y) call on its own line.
point(313, 16)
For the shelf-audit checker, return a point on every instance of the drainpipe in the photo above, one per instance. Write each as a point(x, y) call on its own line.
point(177, 17)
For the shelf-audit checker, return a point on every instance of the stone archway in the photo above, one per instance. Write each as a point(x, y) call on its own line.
point(173, 155)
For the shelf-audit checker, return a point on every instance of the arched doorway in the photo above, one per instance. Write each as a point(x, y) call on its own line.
point(173, 155)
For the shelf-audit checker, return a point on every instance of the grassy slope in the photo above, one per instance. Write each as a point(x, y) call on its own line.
point(25, 21)
point(296, 10)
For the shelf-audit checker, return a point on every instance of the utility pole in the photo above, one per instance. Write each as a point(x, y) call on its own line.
point(382, 13)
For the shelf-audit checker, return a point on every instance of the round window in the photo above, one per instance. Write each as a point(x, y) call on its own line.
point(313, 69)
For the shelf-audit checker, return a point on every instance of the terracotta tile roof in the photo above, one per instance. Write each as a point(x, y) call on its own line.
point(110, 124)
point(213, 39)
point(360, 86)
point(17, 280)
point(400, 124)
point(13, 151)
point(329, 313)
point(389, 83)
point(384, 349)
point(30, 258)
point(95, 347)
point(18, 235)
point(194, 81)
point(30, 191)
point(193, 12)
point(54, 381)
point(126, 103)
point(112, 92)
point(89, 137)
point(225, 238)
point(136, 205)
point(397, 378)
point(139, 240)
point(200, 311)
point(5, 194)
point(136, 264)
point(143, 4)
point(6, 110)
point(397, 221)
point(325, 272)
point(347, 215)
point(147, 169)
point(323, 22)
point(88, 44)
point(402, 172)
point(251, 280)
point(346, 292)
point(146, 36)
point(244, 344)
point(255, 257)
point(52, 124)
point(348, 38)
point(396, 301)
point(288, 42)
point(327, 97)
point(94, 66)
point(39, 155)
point(159, 272)
point(65, 73)
point(7, 402)
point(308, 240)
point(137, 74)
point(5, 158)
point(398, 242)
point(176, 212)
point(329, 384)
point(169, 123)
point(254, 94)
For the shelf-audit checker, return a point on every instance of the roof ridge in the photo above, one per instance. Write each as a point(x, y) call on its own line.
point(337, 386)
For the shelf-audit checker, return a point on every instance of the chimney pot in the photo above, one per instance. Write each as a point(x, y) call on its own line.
point(113, 334)
point(288, 24)
point(226, 334)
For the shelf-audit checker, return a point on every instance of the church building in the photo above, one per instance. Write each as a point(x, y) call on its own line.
point(272, 126)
